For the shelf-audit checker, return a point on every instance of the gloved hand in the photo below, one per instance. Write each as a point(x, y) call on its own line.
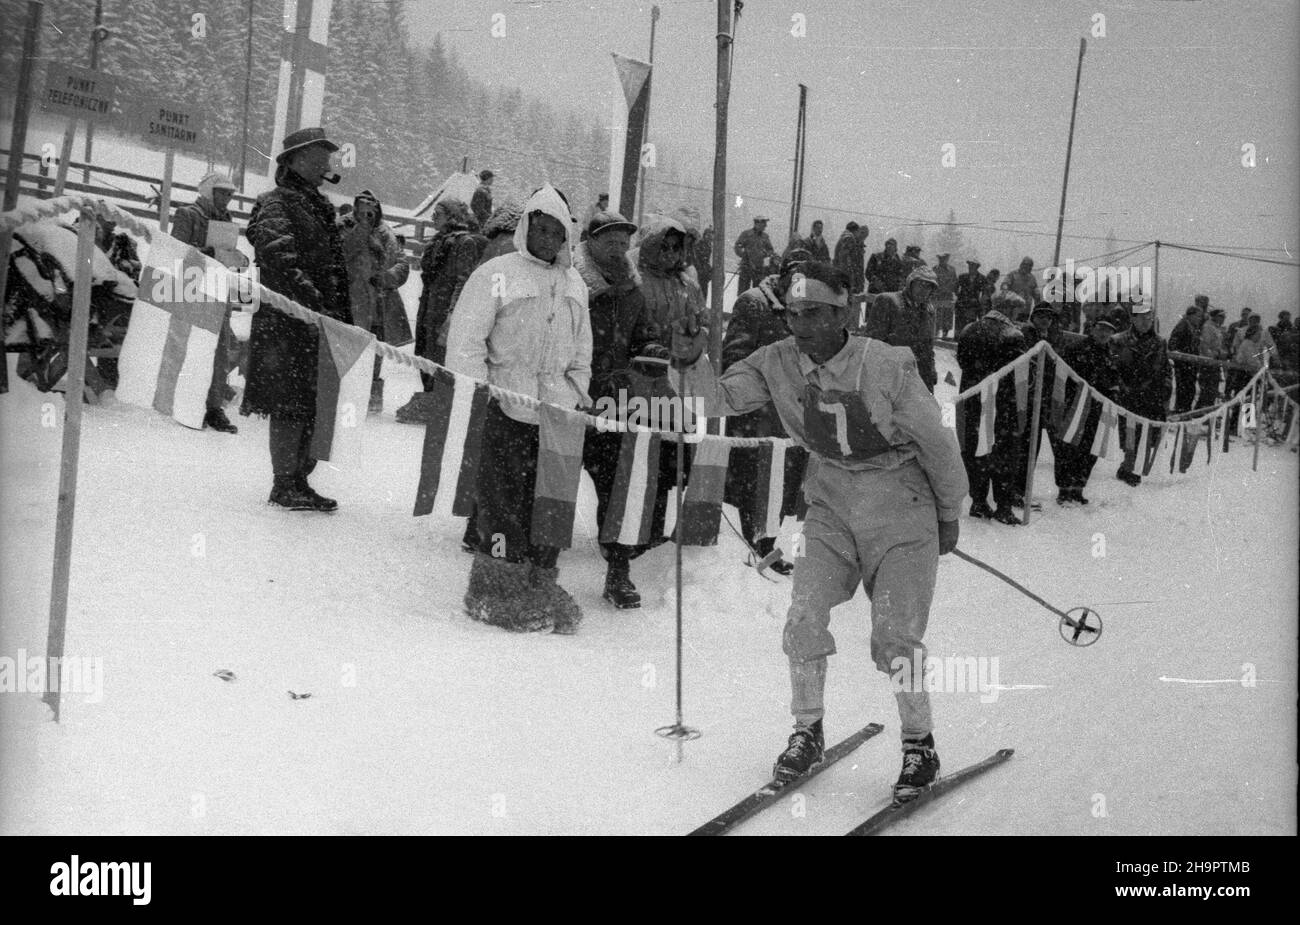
point(948, 533)
point(655, 351)
point(689, 338)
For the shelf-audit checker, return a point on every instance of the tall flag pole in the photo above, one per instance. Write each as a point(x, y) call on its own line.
point(640, 199)
point(303, 60)
point(800, 139)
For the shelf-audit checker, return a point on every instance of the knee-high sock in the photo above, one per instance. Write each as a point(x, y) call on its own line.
point(807, 685)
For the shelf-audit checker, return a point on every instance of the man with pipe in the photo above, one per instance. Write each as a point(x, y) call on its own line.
point(885, 484)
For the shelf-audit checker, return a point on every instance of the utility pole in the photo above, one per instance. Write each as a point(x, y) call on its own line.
point(645, 132)
point(97, 35)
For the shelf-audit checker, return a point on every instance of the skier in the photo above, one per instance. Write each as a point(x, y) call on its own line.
point(884, 486)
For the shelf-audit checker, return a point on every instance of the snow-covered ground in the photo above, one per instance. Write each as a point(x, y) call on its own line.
point(421, 721)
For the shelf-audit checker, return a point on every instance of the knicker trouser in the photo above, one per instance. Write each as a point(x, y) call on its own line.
point(878, 528)
point(507, 476)
point(221, 363)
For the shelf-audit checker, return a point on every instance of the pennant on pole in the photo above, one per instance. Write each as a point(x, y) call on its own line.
point(166, 360)
point(559, 467)
point(344, 369)
point(702, 503)
point(630, 511)
point(452, 446)
point(628, 132)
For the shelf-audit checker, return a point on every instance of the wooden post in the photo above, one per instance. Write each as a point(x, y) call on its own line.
point(71, 452)
point(65, 156)
point(165, 197)
point(1069, 148)
point(720, 182)
point(1155, 281)
point(1033, 432)
point(1256, 395)
point(17, 143)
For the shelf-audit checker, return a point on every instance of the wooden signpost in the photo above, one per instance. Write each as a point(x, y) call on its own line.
point(78, 93)
point(169, 125)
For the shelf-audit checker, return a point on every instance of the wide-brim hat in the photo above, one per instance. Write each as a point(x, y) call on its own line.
point(1140, 308)
point(303, 138)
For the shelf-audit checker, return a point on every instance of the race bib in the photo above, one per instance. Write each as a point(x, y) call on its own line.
point(838, 426)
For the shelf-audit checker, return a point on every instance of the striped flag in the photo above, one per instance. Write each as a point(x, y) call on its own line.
point(770, 489)
point(452, 444)
point(1153, 447)
point(559, 467)
point(1176, 442)
point(1021, 373)
point(1227, 431)
point(1143, 431)
point(630, 510)
point(1076, 414)
point(1058, 396)
point(988, 416)
point(344, 369)
point(1101, 441)
point(167, 358)
point(702, 503)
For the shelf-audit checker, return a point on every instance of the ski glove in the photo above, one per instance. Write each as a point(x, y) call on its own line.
point(689, 338)
point(948, 535)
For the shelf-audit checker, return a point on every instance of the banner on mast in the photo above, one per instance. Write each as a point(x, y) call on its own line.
point(303, 58)
point(627, 132)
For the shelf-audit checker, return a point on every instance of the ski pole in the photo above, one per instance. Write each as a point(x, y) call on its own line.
point(1078, 625)
point(677, 732)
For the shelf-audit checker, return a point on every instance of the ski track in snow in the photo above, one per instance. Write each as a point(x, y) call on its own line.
point(421, 721)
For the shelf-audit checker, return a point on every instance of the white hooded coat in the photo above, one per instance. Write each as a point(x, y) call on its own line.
point(522, 324)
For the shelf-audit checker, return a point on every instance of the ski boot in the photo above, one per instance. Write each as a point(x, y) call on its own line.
point(804, 751)
point(920, 768)
point(1078, 496)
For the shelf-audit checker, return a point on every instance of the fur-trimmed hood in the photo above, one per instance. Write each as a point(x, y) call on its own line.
point(591, 274)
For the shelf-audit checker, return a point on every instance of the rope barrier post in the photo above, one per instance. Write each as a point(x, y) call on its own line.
point(1040, 371)
point(68, 466)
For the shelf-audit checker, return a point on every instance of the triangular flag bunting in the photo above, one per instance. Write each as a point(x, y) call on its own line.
point(559, 468)
point(166, 361)
point(344, 369)
point(452, 444)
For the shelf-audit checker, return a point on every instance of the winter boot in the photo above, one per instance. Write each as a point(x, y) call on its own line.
point(769, 557)
point(981, 510)
point(1078, 496)
point(319, 502)
point(806, 748)
point(556, 603)
point(920, 768)
point(499, 593)
point(1128, 477)
point(217, 420)
point(619, 589)
point(1004, 515)
point(376, 397)
point(1065, 496)
point(285, 493)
